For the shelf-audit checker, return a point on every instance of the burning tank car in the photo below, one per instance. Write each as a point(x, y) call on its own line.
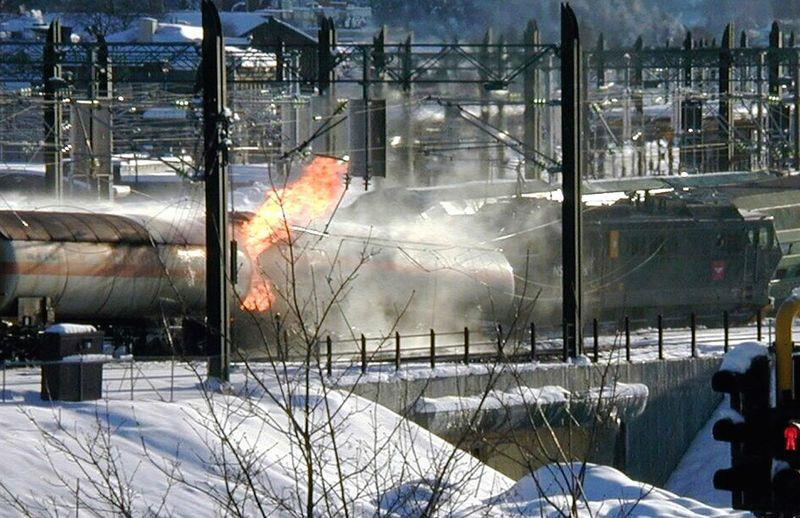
point(665, 254)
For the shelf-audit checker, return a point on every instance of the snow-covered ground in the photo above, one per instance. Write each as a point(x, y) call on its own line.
point(163, 445)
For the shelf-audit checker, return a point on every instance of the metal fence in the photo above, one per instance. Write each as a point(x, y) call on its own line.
point(467, 346)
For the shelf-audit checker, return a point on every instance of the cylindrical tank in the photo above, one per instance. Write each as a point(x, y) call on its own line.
point(365, 284)
point(101, 266)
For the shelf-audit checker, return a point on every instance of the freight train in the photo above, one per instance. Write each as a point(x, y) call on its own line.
point(665, 254)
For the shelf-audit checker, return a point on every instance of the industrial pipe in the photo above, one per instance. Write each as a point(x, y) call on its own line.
point(783, 344)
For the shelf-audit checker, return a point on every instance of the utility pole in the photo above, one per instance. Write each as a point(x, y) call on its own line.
point(53, 112)
point(775, 107)
point(101, 92)
point(726, 121)
point(326, 77)
point(365, 96)
point(533, 105)
point(215, 136)
point(572, 156)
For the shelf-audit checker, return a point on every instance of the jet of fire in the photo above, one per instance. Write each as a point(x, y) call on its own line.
point(312, 196)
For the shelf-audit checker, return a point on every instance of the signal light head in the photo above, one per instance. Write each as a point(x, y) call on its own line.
point(791, 437)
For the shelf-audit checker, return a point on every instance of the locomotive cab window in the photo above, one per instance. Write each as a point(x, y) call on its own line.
point(764, 238)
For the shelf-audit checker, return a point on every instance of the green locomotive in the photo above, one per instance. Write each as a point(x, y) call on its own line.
point(665, 254)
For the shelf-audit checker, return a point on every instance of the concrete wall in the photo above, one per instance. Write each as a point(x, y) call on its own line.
point(679, 404)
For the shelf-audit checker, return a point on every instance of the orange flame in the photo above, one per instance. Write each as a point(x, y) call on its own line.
point(312, 196)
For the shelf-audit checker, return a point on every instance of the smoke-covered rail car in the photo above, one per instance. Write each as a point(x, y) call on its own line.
point(660, 255)
point(370, 281)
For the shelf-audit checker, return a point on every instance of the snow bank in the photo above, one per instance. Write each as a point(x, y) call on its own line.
point(168, 462)
point(739, 358)
point(380, 457)
point(70, 329)
point(600, 490)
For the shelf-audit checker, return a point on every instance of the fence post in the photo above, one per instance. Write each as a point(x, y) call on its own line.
point(4, 381)
point(363, 353)
point(725, 328)
point(660, 337)
point(627, 339)
point(758, 324)
point(328, 355)
point(278, 335)
point(596, 337)
point(693, 324)
point(499, 329)
point(466, 346)
point(533, 342)
point(172, 378)
point(131, 373)
point(433, 349)
point(397, 350)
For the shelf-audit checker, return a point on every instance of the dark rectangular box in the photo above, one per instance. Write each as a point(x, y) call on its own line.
point(72, 381)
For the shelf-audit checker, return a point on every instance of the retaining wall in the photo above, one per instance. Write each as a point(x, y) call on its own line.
point(680, 400)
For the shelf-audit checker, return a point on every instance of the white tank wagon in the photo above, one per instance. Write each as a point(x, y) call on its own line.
point(101, 267)
point(380, 284)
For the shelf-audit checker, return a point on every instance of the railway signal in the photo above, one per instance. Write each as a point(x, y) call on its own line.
point(786, 479)
point(748, 386)
point(764, 431)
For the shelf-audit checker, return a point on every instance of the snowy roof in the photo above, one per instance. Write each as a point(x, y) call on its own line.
point(164, 33)
point(235, 24)
point(26, 21)
point(70, 329)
